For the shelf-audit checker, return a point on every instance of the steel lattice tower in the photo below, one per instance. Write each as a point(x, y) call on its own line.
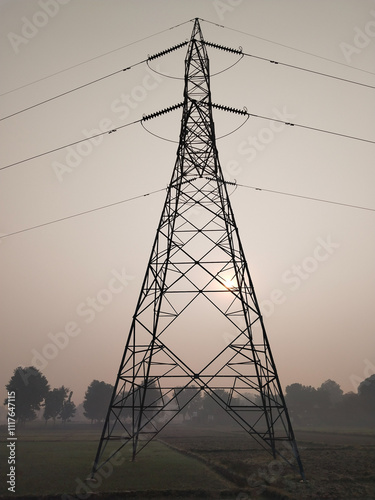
point(197, 257)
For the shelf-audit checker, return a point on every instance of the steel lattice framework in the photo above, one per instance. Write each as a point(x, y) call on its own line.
point(197, 258)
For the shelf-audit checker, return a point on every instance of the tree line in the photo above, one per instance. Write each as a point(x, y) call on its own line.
point(33, 395)
point(308, 406)
point(328, 405)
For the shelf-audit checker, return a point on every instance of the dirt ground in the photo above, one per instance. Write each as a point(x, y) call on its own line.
point(337, 465)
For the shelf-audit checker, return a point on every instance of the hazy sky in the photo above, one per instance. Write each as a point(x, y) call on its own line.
point(68, 290)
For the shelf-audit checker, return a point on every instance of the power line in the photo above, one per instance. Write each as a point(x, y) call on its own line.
point(96, 57)
point(215, 45)
point(313, 128)
point(73, 90)
point(309, 70)
point(288, 47)
point(67, 145)
point(307, 197)
point(81, 213)
point(140, 120)
point(331, 132)
point(163, 189)
point(164, 31)
point(146, 60)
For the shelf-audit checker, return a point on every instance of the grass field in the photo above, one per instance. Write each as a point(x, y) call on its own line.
point(190, 463)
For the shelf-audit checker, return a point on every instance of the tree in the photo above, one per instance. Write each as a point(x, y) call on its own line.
point(54, 403)
point(366, 394)
point(68, 409)
point(96, 402)
point(301, 397)
point(212, 405)
point(349, 411)
point(333, 391)
point(188, 400)
point(301, 401)
point(153, 398)
point(30, 387)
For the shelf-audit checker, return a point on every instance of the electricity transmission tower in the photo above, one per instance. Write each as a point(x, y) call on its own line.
point(197, 271)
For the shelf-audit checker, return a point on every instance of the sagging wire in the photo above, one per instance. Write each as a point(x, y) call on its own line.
point(210, 44)
point(163, 53)
point(159, 113)
point(232, 110)
point(229, 67)
point(234, 130)
point(156, 135)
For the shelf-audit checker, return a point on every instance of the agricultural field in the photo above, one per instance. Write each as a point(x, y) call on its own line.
point(338, 465)
point(190, 462)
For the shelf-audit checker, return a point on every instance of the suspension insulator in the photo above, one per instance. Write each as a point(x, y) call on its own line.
point(226, 49)
point(162, 112)
point(167, 51)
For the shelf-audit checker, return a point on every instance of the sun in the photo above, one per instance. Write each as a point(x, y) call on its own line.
point(230, 284)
